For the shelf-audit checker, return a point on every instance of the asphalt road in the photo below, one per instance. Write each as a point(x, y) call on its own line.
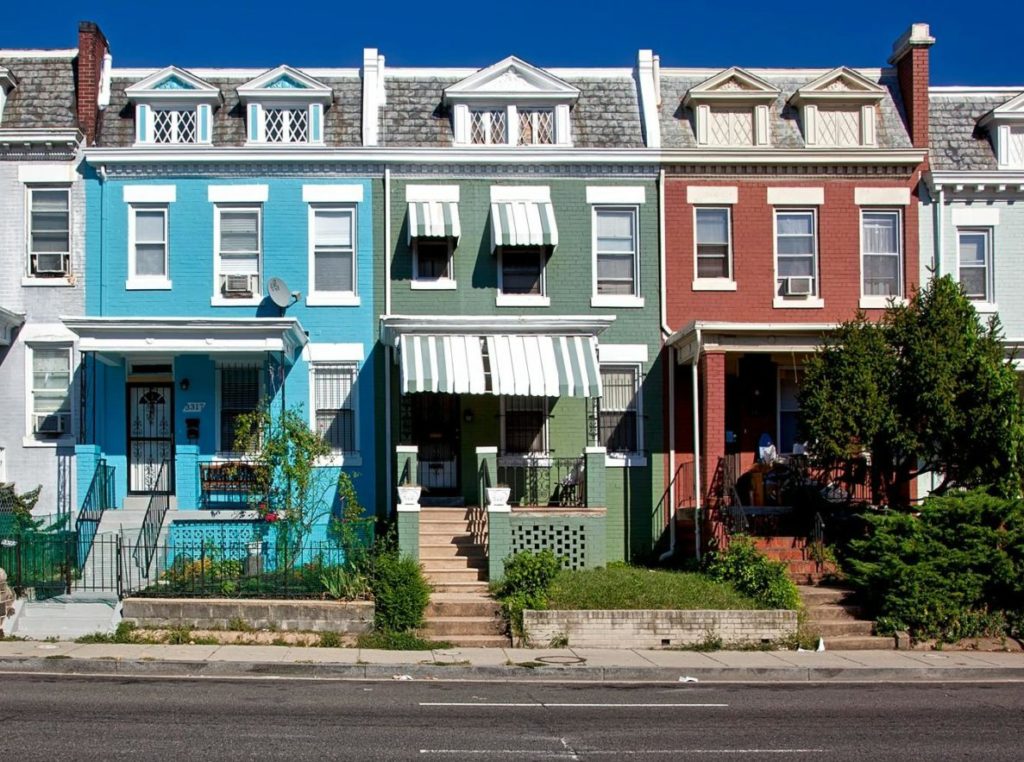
point(72, 718)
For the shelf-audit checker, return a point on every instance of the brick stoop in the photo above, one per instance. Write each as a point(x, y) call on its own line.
point(461, 611)
point(795, 553)
point(832, 614)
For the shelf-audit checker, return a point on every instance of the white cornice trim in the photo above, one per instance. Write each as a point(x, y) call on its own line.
point(55, 53)
point(232, 73)
point(8, 322)
point(974, 182)
point(683, 71)
point(64, 135)
point(1007, 91)
point(393, 326)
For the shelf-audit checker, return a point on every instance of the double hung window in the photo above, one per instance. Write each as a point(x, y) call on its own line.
point(49, 232)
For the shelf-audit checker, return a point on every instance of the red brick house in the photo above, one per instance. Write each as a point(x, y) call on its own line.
point(790, 203)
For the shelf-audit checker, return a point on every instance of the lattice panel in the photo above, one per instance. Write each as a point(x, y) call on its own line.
point(536, 127)
point(273, 125)
point(186, 126)
point(163, 126)
point(731, 127)
point(299, 123)
point(839, 127)
point(487, 127)
point(564, 540)
point(174, 126)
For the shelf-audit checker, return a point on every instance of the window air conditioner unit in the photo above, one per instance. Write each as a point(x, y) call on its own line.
point(51, 423)
point(238, 285)
point(49, 264)
point(801, 285)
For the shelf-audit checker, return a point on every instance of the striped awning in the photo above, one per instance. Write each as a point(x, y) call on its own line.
point(523, 223)
point(434, 219)
point(532, 366)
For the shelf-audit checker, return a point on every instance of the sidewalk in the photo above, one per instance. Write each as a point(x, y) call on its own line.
point(562, 664)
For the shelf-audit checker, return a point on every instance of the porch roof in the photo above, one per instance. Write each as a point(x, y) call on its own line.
point(8, 322)
point(705, 335)
point(538, 357)
point(178, 335)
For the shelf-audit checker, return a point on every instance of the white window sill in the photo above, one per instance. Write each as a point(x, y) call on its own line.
point(798, 303)
point(142, 284)
point(625, 460)
point(441, 284)
point(880, 302)
point(606, 300)
point(62, 281)
point(322, 299)
point(349, 459)
point(220, 301)
point(33, 442)
point(516, 300)
point(284, 144)
point(172, 146)
point(713, 284)
point(985, 307)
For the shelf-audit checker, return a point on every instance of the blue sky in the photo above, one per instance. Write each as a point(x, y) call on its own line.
point(977, 44)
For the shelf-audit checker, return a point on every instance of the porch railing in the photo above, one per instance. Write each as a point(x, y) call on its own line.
point(99, 498)
point(545, 482)
point(228, 483)
point(156, 510)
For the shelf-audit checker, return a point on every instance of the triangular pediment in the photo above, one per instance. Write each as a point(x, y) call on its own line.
point(285, 83)
point(842, 84)
point(511, 79)
point(173, 83)
point(734, 84)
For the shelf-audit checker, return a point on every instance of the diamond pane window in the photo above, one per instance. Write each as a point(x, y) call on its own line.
point(839, 127)
point(1016, 152)
point(536, 127)
point(171, 126)
point(731, 127)
point(286, 125)
point(487, 127)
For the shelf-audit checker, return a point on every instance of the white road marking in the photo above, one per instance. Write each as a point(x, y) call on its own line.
point(547, 705)
point(534, 753)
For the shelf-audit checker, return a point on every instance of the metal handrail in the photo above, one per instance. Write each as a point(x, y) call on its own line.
point(544, 481)
point(159, 503)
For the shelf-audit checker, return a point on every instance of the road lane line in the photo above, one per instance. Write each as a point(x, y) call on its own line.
point(567, 754)
point(546, 705)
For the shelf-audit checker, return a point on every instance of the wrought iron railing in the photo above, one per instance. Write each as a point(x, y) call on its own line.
point(99, 498)
point(156, 510)
point(227, 483)
point(545, 482)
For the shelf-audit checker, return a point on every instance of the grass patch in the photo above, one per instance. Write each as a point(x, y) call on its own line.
point(399, 641)
point(630, 587)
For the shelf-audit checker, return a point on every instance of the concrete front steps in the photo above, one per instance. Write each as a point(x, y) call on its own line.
point(795, 553)
point(460, 610)
point(67, 617)
point(833, 616)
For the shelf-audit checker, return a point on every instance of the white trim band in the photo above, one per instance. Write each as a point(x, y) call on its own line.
point(238, 194)
point(616, 194)
point(326, 352)
point(612, 353)
point(150, 194)
point(336, 194)
point(47, 173)
point(538, 193)
point(442, 193)
point(975, 217)
point(882, 196)
point(712, 194)
point(796, 196)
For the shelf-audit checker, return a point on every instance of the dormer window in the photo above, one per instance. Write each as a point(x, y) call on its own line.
point(1005, 124)
point(731, 110)
point(839, 110)
point(285, 107)
point(511, 104)
point(7, 83)
point(173, 107)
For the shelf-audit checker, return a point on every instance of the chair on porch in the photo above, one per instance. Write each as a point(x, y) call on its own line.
point(570, 488)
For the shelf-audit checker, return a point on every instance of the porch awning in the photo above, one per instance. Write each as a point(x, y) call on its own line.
point(434, 219)
point(174, 335)
point(523, 223)
point(8, 322)
point(501, 364)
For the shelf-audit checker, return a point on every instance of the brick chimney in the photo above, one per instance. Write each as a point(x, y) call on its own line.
point(92, 49)
point(910, 57)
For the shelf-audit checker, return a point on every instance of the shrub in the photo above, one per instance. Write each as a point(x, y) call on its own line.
point(399, 641)
point(954, 571)
point(753, 574)
point(400, 592)
point(344, 584)
point(527, 580)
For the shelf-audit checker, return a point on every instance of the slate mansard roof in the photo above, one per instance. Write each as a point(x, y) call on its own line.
point(45, 94)
point(342, 118)
point(606, 114)
point(956, 140)
point(677, 121)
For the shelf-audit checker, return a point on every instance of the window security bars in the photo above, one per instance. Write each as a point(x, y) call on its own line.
point(335, 416)
point(619, 422)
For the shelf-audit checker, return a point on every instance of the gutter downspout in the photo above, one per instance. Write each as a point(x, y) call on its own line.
point(388, 351)
point(661, 252)
point(940, 238)
point(696, 450)
point(671, 454)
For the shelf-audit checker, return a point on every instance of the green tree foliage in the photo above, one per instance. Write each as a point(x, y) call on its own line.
point(753, 574)
point(954, 571)
point(926, 389)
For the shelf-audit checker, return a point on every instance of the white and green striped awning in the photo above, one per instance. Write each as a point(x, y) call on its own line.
point(434, 219)
point(523, 223)
point(531, 366)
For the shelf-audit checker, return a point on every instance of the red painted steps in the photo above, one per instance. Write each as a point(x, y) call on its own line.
point(796, 555)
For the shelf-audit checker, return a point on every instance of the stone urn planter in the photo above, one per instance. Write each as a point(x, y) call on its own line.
point(409, 494)
point(498, 496)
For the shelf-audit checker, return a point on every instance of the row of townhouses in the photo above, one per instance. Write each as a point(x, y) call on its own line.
point(609, 277)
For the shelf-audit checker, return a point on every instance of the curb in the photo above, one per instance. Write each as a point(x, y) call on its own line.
point(506, 673)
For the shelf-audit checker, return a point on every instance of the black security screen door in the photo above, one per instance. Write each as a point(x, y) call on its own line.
point(150, 437)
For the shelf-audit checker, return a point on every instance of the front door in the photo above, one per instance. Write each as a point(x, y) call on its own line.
point(151, 437)
point(435, 432)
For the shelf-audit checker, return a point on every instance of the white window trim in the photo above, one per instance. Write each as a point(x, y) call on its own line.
point(284, 105)
point(432, 284)
point(316, 298)
point(615, 300)
point(988, 304)
point(148, 282)
point(69, 438)
point(815, 300)
point(541, 458)
point(523, 300)
point(218, 299)
point(728, 283)
point(220, 453)
point(628, 459)
point(354, 458)
point(150, 136)
point(68, 278)
point(868, 301)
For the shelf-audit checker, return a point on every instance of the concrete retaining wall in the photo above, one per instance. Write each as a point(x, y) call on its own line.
point(655, 629)
point(314, 616)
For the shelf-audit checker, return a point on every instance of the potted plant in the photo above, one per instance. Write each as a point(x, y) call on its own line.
point(498, 495)
point(409, 494)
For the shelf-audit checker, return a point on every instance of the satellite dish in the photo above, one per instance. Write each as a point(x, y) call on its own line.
point(279, 293)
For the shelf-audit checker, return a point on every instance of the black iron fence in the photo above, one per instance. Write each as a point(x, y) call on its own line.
point(159, 503)
point(553, 482)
